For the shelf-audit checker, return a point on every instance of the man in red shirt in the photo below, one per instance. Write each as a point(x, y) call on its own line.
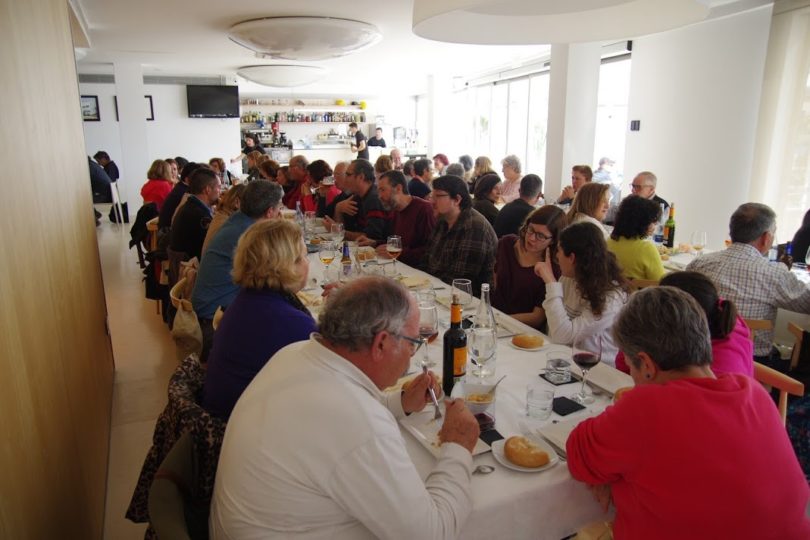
point(299, 175)
point(414, 218)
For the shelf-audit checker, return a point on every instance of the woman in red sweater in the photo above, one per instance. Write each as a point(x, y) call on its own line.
point(686, 454)
point(158, 185)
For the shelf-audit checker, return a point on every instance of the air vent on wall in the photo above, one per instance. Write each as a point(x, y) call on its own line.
point(156, 79)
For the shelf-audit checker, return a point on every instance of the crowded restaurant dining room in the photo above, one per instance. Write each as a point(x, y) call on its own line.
point(440, 269)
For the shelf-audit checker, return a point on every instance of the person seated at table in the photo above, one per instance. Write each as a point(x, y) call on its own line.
point(158, 183)
point(382, 165)
point(228, 205)
point(591, 205)
point(517, 291)
point(194, 216)
point(313, 448)
point(483, 165)
point(801, 240)
point(463, 244)
point(744, 276)
point(467, 163)
point(413, 220)
point(176, 196)
point(644, 185)
point(512, 215)
point(590, 292)
point(732, 348)
point(510, 167)
point(371, 223)
point(455, 169)
point(253, 166)
point(419, 184)
point(323, 179)
point(580, 175)
point(440, 161)
point(225, 176)
point(268, 169)
point(103, 159)
point(686, 454)
point(396, 159)
point(331, 209)
point(487, 193)
point(297, 179)
point(635, 222)
point(270, 266)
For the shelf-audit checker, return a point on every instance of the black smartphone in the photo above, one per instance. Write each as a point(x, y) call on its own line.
point(564, 406)
point(490, 436)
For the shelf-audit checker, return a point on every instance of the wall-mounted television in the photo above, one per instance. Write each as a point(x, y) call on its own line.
point(206, 101)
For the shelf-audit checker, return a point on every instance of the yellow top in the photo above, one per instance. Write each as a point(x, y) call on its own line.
point(638, 258)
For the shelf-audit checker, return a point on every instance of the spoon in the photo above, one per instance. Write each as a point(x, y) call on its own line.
point(483, 469)
point(492, 390)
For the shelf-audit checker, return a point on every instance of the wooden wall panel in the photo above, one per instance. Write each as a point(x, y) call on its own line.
point(55, 356)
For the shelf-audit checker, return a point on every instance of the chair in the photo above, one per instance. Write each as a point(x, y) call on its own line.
point(758, 324)
point(798, 333)
point(116, 199)
point(786, 385)
point(638, 284)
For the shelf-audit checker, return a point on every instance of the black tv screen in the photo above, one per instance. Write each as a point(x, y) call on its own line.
point(213, 101)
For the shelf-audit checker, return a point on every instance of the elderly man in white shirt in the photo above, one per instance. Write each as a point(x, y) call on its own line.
point(313, 448)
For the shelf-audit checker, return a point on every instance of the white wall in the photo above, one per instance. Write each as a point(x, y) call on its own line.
point(696, 91)
point(172, 133)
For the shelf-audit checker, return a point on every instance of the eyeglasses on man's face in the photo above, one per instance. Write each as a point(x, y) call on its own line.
point(638, 187)
point(415, 343)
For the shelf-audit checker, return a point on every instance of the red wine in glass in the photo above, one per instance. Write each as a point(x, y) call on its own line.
point(587, 352)
point(428, 333)
point(585, 360)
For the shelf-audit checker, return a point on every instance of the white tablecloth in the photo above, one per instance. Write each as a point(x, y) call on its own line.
point(510, 504)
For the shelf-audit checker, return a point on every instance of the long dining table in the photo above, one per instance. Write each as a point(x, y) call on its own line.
point(506, 504)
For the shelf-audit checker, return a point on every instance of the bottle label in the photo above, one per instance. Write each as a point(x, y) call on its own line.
point(459, 362)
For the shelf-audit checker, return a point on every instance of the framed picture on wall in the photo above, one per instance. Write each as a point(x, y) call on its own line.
point(150, 111)
point(90, 109)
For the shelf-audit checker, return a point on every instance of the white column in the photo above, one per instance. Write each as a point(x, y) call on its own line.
point(572, 102)
point(440, 122)
point(135, 159)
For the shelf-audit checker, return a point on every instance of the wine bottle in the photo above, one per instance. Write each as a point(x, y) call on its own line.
point(454, 365)
point(669, 228)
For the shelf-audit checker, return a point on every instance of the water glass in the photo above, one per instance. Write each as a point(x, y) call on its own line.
point(539, 400)
point(463, 289)
point(558, 370)
point(337, 233)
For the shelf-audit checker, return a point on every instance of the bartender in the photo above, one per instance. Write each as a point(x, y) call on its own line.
point(359, 144)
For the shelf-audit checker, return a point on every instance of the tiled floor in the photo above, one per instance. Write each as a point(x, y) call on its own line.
point(144, 360)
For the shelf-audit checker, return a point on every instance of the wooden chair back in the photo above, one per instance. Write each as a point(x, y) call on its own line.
point(758, 324)
point(786, 385)
point(798, 333)
point(638, 284)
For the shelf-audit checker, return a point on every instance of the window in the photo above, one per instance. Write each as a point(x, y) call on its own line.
point(518, 120)
point(498, 122)
point(611, 116)
point(538, 125)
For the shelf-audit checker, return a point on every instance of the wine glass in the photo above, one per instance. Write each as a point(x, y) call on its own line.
point(337, 233)
point(326, 253)
point(394, 248)
point(698, 242)
point(428, 328)
point(482, 344)
point(586, 353)
point(463, 289)
point(309, 224)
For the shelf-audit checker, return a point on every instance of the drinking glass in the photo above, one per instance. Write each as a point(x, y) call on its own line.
point(482, 344)
point(309, 224)
point(428, 329)
point(337, 233)
point(698, 241)
point(326, 253)
point(394, 248)
point(587, 352)
point(462, 288)
point(539, 400)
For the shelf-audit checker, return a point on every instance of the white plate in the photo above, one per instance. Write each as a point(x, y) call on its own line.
point(426, 430)
point(500, 457)
point(543, 346)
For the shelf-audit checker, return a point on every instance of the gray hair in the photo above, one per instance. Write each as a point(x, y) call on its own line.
point(750, 221)
point(456, 169)
point(512, 161)
point(647, 176)
point(356, 313)
point(259, 197)
point(675, 331)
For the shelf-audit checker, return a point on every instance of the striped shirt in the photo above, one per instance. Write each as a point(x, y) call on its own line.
point(757, 287)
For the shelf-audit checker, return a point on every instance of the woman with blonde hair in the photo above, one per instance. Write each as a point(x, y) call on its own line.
point(483, 165)
point(591, 204)
point(158, 183)
point(270, 266)
point(253, 166)
point(229, 203)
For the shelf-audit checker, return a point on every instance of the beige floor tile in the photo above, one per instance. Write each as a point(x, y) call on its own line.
point(144, 360)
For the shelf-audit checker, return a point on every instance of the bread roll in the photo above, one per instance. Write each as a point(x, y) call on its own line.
point(620, 392)
point(523, 452)
point(527, 341)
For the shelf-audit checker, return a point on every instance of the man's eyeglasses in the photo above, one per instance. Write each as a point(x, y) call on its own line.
point(537, 235)
point(416, 344)
point(637, 187)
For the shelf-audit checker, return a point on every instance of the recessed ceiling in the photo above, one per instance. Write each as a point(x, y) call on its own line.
point(189, 38)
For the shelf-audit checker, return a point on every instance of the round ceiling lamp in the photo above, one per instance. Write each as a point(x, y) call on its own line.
point(282, 75)
point(527, 22)
point(304, 38)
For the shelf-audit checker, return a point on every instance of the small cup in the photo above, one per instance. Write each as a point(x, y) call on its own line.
point(539, 400)
point(558, 370)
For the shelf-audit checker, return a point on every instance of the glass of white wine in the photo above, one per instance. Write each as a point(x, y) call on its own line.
point(394, 248)
point(698, 242)
point(326, 253)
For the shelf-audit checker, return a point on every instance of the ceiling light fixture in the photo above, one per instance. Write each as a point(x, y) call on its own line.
point(282, 75)
point(522, 22)
point(304, 38)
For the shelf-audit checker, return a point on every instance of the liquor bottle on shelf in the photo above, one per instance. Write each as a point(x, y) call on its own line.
point(669, 228)
point(454, 356)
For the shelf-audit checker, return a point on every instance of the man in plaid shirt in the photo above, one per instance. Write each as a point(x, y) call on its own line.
point(463, 244)
point(743, 275)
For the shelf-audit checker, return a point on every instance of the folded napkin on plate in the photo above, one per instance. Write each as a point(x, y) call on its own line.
point(605, 377)
point(415, 282)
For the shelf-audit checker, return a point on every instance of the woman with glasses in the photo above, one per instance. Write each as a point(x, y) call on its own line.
point(635, 222)
point(518, 292)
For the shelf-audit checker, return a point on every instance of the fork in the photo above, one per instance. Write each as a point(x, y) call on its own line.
point(437, 414)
